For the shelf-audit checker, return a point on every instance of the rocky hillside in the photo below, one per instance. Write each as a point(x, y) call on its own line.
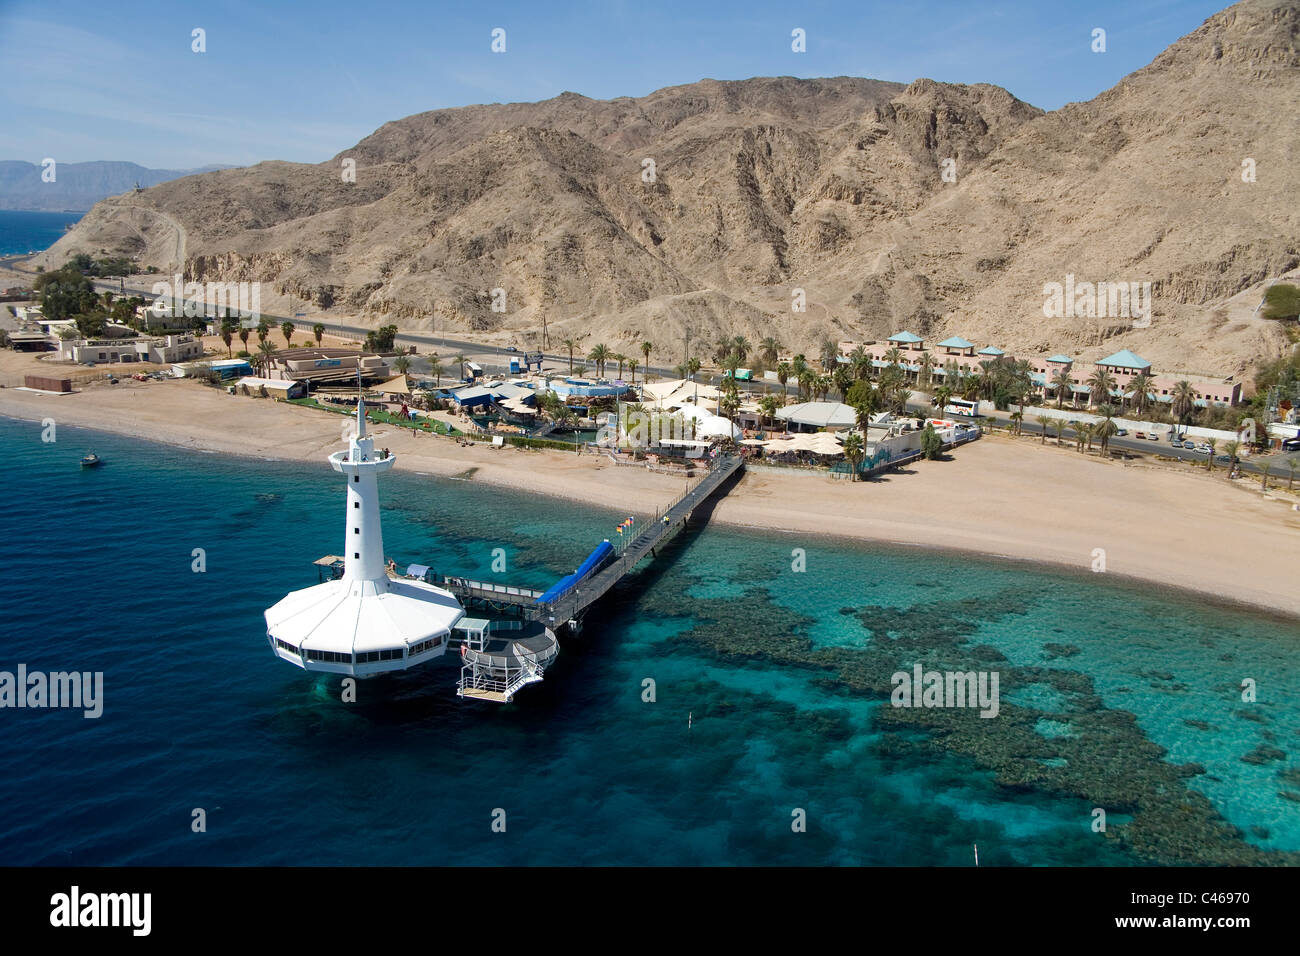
point(765, 186)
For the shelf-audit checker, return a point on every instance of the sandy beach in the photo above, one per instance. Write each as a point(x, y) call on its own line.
point(999, 496)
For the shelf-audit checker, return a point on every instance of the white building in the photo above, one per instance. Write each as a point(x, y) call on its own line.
point(163, 350)
point(365, 622)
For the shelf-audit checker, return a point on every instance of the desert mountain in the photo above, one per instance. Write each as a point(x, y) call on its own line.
point(764, 186)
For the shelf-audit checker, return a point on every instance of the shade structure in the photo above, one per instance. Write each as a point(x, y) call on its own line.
point(820, 414)
point(815, 443)
point(395, 386)
point(715, 426)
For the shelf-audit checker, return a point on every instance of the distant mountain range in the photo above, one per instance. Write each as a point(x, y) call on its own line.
point(806, 209)
point(77, 186)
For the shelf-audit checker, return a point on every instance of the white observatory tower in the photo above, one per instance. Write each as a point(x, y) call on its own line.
point(365, 622)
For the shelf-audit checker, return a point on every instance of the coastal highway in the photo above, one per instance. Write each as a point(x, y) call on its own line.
point(496, 358)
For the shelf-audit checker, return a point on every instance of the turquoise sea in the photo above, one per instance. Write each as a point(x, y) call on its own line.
point(23, 232)
point(771, 694)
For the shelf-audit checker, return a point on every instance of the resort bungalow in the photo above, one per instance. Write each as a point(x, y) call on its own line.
point(907, 341)
point(957, 346)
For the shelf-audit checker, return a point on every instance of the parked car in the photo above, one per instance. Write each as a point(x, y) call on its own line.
point(511, 348)
point(1122, 431)
point(1204, 448)
point(1140, 435)
point(1153, 437)
point(1291, 444)
point(1224, 459)
point(1177, 443)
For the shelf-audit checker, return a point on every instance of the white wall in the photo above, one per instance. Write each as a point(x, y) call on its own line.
point(1132, 425)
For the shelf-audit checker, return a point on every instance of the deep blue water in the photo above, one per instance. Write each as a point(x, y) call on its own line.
point(23, 232)
point(199, 713)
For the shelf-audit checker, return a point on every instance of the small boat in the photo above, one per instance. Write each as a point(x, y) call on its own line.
point(90, 460)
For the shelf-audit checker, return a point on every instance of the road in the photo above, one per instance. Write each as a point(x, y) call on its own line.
point(496, 359)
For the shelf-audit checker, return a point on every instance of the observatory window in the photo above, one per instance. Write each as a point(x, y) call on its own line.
point(357, 555)
point(356, 504)
point(356, 477)
point(356, 530)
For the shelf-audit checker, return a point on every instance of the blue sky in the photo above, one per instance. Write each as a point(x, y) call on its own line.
point(303, 81)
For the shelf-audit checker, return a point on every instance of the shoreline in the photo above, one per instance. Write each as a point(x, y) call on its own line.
point(1156, 526)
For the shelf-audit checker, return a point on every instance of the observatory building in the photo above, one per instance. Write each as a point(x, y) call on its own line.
point(364, 622)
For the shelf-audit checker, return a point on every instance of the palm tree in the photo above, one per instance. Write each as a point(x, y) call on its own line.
point(807, 381)
point(402, 364)
point(1292, 464)
point(318, 330)
point(435, 369)
point(287, 329)
point(1064, 383)
point(1100, 384)
point(783, 372)
point(942, 394)
point(924, 375)
point(769, 349)
point(1106, 427)
point(646, 349)
point(853, 452)
point(1209, 462)
point(632, 366)
point(600, 355)
point(866, 406)
point(266, 354)
point(894, 356)
point(263, 331)
point(1184, 402)
point(1017, 419)
point(1043, 422)
point(740, 345)
point(244, 332)
point(1265, 467)
point(459, 358)
point(768, 405)
point(227, 336)
point(842, 379)
point(569, 343)
point(1082, 435)
point(621, 359)
point(693, 366)
point(1231, 449)
point(1141, 400)
point(1060, 427)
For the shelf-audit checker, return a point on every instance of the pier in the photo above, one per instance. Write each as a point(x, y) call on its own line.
point(500, 657)
point(568, 607)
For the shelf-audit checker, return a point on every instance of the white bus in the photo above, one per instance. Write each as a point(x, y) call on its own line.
point(960, 406)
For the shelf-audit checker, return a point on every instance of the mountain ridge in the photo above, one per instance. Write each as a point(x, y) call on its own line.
point(761, 187)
